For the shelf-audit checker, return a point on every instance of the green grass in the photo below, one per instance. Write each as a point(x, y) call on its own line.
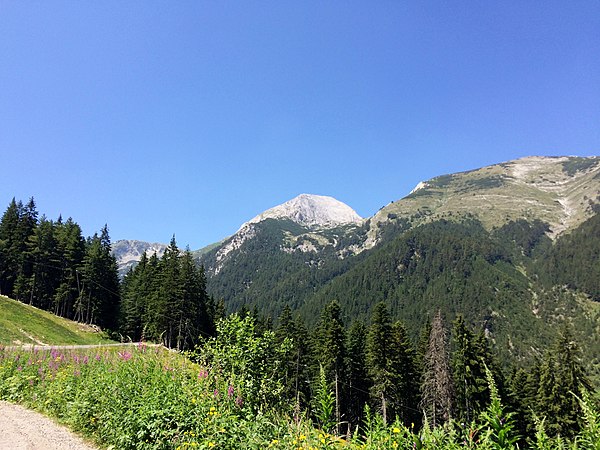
point(24, 324)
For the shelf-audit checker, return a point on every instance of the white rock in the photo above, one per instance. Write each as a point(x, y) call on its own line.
point(311, 211)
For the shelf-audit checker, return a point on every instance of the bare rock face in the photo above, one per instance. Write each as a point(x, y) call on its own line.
point(129, 252)
point(312, 211)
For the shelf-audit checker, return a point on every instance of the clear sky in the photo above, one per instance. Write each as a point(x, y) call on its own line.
point(191, 117)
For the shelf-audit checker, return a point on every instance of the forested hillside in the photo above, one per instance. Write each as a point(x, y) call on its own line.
point(48, 264)
point(426, 314)
point(512, 247)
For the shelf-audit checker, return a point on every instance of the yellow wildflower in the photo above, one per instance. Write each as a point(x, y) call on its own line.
point(396, 430)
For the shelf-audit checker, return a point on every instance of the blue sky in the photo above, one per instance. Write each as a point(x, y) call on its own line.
point(191, 117)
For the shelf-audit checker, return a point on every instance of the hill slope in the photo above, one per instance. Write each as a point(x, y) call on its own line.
point(24, 324)
point(476, 243)
point(559, 191)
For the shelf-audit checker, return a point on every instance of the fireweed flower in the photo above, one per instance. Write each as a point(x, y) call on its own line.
point(125, 356)
point(230, 391)
point(239, 402)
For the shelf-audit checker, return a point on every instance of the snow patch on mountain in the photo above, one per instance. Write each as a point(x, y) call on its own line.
point(312, 211)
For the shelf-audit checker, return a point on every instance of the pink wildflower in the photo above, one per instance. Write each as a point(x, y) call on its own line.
point(125, 356)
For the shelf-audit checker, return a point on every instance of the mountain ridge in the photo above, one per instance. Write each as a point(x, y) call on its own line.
point(560, 191)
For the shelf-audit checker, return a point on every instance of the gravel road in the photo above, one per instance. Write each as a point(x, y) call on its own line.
point(22, 429)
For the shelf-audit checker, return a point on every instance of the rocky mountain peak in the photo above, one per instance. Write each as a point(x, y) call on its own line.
point(128, 252)
point(311, 211)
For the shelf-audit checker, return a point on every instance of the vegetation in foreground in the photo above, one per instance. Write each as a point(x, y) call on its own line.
point(228, 395)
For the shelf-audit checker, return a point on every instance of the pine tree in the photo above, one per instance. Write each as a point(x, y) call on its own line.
point(297, 363)
point(562, 377)
point(468, 363)
point(99, 300)
point(10, 247)
point(17, 226)
point(437, 389)
point(331, 352)
point(42, 253)
point(523, 398)
point(403, 366)
point(379, 343)
point(133, 301)
point(195, 319)
point(358, 378)
point(71, 250)
point(168, 305)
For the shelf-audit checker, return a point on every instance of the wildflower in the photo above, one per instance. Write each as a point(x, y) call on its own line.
point(216, 393)
point(125, 355)
point(239, 402)
point(230, 391)
point(211, 444)
point(396, 430)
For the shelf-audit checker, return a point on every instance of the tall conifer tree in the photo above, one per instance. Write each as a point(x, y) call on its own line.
point(437, 387)
point(358, 376)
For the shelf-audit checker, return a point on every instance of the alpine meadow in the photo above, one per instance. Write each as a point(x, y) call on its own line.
point(464, 315)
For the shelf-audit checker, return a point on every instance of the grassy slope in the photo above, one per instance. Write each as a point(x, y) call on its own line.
point(23, 324)
point(530, 188)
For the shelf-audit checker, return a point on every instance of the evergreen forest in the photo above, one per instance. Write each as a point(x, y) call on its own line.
point(402, 336)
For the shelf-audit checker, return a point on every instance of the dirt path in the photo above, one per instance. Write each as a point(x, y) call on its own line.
point(22, 429)
point(75, 346)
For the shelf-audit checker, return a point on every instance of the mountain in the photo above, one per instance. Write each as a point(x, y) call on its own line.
point(129, 252)
point(312, 221)
point(512, 247)
point(559, 191)
point(313, 211)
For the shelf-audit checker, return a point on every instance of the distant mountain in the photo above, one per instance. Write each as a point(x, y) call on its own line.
point(475, 243)
point(312, 219)
point(313, 211)
point(129, 252)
